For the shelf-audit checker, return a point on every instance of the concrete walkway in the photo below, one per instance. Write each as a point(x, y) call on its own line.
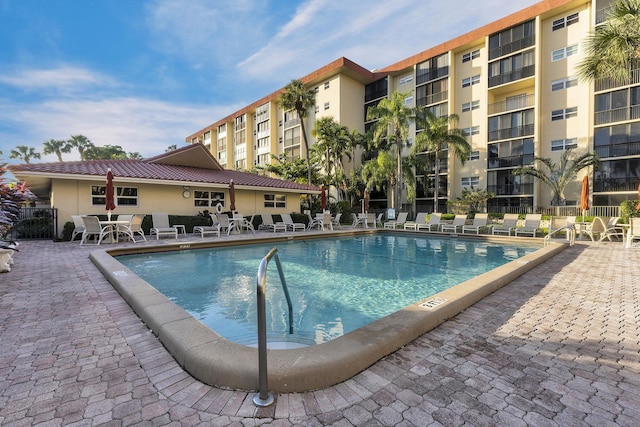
point(560, 346)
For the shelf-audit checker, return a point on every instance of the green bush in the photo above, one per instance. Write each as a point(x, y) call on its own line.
point(628, 209)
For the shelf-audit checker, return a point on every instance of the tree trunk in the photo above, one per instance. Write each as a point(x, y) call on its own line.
point(306, 147)
point(436, 183)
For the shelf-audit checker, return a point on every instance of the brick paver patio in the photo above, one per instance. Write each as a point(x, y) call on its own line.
point(559, 346)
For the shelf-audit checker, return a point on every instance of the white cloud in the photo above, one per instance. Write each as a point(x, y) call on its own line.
point(64, 79)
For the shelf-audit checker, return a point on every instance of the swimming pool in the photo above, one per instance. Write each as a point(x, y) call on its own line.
point(336, 285)
point(216, 361)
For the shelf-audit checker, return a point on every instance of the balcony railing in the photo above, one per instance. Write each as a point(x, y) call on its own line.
point(511, 189)
point(292, 122)
point(618, 150)
point(601, 15)
point(514, 132)
point(615, 184)
point(512, 47)
point(604, 84)
point(617, 115)
point(504, 78)
point(509, 162)
point(513, 103)
point(433, 99)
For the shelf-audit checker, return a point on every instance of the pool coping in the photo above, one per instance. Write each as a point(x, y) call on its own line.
point(216, 361)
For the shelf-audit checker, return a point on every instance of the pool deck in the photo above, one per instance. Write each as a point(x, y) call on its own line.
point(559, 346)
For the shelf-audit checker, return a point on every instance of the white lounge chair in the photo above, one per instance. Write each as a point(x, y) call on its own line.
point(268, 224)
point(612, 229)
point(479, 222)
point(633, 233)
point(434, 222)
point(509, 222)
point(400, 220)
point(531, 225)
point(214, 228)
point(134, 227)
point(161, 226)
point(419, 222)
point(92, 228)
point(458, 222)
point(292, 226)
point(78, 225)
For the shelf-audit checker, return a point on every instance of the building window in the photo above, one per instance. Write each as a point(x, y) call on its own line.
point(564, 83)
point(563, 53)
point(473, 130)
point(474, 155)
point(405, 79)
point(565, 113)
point(564, 144)
point(468, 106)
point(326, 105)
point(470, 181)
point(275, 201)
point(317, 109)
point(565, 22)
point(471, 55)
point(125, 196)
point(207, 199)
point(326, 85)
point(471, 81)
point(408, 100)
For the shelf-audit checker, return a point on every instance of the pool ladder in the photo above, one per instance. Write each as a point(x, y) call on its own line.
point(264, 397)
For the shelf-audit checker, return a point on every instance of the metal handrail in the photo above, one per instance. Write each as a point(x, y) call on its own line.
point(263, 397)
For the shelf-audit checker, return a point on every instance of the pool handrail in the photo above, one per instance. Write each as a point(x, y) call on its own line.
point(263, 397)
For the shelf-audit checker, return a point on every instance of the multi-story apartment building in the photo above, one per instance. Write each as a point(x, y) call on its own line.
point(514, 85)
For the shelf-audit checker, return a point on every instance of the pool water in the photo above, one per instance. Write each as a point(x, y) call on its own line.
point(336, 285)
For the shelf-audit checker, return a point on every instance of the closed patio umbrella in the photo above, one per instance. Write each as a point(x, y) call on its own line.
point(638, 205)
point(584, 196)
point(366, 201)
point(323, 199)
point(110, 203)
point(232, 196)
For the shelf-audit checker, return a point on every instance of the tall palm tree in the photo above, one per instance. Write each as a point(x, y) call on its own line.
point(558, 176)
point(332, 145)
point(438, 134)
point(82, 144)
point(614, 46)
point(57, 147)
point(297, 97)
point(24, 153)
point(381, 172)
point(392, 127)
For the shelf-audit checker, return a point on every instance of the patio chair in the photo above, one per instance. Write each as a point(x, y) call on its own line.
point(336, 221)
point(378, 220)
point(360, 220)
point(268, 224)
point(612, 229)
point(531, 225)
point(78, 225)
point(509, 222)
point(161, 226)
point(402, 218)
point(458, 222)
point(292, 226)
point(419, 222)
point(633, 233)
point(134, 227)
point(433, 222)
point(92, 228)
point(214, 228)
point(596, 228)
point(561, 227)
point(480, 221)
point(315, 222)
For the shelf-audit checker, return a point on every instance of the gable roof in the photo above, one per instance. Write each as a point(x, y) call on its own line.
point(177, 167)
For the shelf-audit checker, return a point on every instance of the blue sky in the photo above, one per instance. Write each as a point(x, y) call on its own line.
point(145, 74)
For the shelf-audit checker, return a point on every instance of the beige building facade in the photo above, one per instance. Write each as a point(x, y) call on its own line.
point(514, 86)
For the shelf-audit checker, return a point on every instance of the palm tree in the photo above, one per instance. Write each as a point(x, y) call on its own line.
point(57, 147)
point(558, 176)
point(297, 97)
point(24, 153)
point(614, 46)
point(379, 172)
point(81, 143)
point(393, 118)
point(332, 145)
point(437, 135)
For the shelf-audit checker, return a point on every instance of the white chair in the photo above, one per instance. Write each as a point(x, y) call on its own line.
point(378, 220)
point(434, 222)
point(420, 222)
point(293, 226)
point(78, 225)
point(509, 222)
point(458, 222)
point(633, 233)
point(268, 224)
point(531, 225)
point(596, 228)
point(612, 229)
point(315, 222)
point(134, 227)
point(402, 218)
point(360, 220)
point(480, 221)
point(92, 228)
point(561, 227)
point(336, 221)
point(327, 221)
point(214, 228)
point(161, 226)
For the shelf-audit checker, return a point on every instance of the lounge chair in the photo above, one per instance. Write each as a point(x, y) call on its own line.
point(509, 222)
point(419, 222)
point(161, 226)
point(612, 229)
point(458, 222)
point(596, 228)
point(402, 218)
point(479, 222)
point(531, 225)
point(78, 225)
point(214, 228)
point(268, 224)
point(134, 227)
point(433, 222)
point(633, 233)
point(292, 226)
point(92, 228)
